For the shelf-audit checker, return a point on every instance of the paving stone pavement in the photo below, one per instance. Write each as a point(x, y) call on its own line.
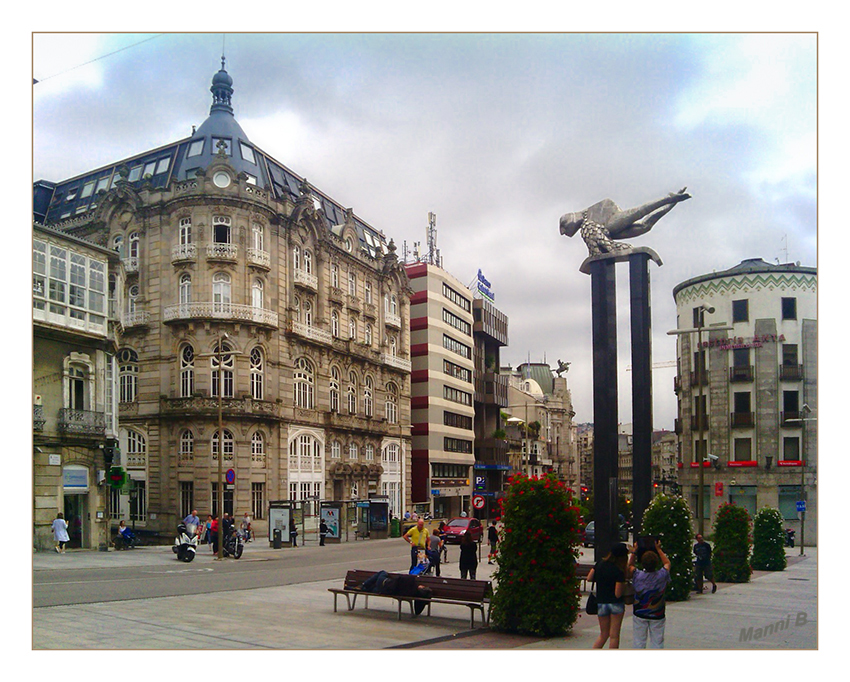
point(301, 617)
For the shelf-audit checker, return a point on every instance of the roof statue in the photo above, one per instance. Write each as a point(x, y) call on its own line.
point(563, 367)
point(604, 222)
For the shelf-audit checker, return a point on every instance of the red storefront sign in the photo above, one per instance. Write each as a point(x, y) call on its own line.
point(790, 463)
point(695, 465)
point(746, 463)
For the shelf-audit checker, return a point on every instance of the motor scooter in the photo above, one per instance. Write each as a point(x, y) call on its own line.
point(186, 543)
point(789, 537)
point(234, 544)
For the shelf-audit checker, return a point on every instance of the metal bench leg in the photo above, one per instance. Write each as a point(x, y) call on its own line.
point(335, 596)
point(351, 602)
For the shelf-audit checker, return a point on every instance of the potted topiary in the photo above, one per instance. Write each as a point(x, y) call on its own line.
point(669, 518)
point(732, 542)
point(769, 540)
point(537, 587)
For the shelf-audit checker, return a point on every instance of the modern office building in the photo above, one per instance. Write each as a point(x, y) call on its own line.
point(263, 324)
point(748, 393)
point(442, 390)
point(75, 287)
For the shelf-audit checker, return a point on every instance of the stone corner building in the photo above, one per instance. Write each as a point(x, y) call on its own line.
point(244, 282)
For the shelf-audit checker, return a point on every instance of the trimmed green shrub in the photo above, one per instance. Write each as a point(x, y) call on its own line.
point(769, 540)
point(669, 517)
point(537, 590)
point(732, 542)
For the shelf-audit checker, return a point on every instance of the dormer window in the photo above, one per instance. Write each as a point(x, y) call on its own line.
point(135, 174)
point(196, 148)
point(219, 143)
point(162, 165)
point(102, 184)
point(247, 153)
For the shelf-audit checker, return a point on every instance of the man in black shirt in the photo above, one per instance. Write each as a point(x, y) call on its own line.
point(702, 550)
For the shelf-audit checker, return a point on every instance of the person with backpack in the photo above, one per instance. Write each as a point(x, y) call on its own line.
point(468, 556)
point(493, 540)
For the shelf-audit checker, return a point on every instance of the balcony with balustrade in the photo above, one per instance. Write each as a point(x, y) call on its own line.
point(395, 361)
point(131, 265)
point(313, 333)
point(82, 422)
point(220, 251)
point(136, 318)
point(38, 418)
point(259, 258)
point(217, 310)
point(392, 320)
point(305, 279)
point(183, 253)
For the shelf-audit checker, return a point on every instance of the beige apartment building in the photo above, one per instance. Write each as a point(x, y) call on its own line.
point(262, 323)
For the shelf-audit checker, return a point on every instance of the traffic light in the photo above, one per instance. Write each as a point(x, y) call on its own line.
point(117, 477)
point(110, 450)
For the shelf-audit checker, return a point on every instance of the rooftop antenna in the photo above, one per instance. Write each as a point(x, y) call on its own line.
point(433, 254)
point(785, 239)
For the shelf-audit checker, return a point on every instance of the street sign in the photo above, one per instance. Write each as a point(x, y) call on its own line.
point(230, 477)
point(478, 502)
point(801, 505)
point(480, 483)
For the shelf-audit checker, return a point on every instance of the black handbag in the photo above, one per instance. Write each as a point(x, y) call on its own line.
point(592, 607)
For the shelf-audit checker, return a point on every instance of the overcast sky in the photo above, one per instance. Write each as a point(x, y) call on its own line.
point(498, 135)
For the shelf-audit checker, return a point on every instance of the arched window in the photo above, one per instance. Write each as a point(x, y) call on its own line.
point(257, 233)
point(221, 292)
point(334, 389)
point(221, 229)
point(187, 447)
point(392, 403)
point(132, 298)
point(352, 283)
point(128, 375)
point(118, 244)
point(296, 257)
point(368, 401)
point(303, 381)
point(257, 371)
point(258, 449)
point(308, 262)
point(305, 455)
point(185, 231)
point(370, 452)
point(78, 387)
point(336, 450)
point(187, 371)
point(394, 305)
point(185, 288)
point(308, 313)
point(226, 443)
point(352, 451)
point(296, 309)
point(352, 328)
point(257, 293)
point(367, 291)
point(367, 334)
point(334, 275)
point(352, 393)
point(133, 240)
point(137, 449)
point(223, 374)
point(392, 343)
point(335, 324)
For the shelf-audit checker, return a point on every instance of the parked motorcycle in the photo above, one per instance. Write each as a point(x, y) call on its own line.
point(234, 544)
point(186, 543)
point(789, 537)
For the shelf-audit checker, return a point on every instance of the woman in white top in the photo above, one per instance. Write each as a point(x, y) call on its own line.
point(60, 533)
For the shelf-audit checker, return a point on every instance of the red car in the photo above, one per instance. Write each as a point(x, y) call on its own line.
point(456, 527)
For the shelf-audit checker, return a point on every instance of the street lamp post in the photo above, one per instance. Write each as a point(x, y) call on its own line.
point(701, 374)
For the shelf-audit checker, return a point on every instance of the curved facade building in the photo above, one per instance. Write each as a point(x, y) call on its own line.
point(748, 395)
point(249, 289)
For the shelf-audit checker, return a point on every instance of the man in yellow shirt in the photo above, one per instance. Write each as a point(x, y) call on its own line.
point(417, 538)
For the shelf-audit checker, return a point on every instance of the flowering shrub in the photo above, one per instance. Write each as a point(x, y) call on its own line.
point(732, 542)
point(769, 540)
point(669, 518)
point(537, 590)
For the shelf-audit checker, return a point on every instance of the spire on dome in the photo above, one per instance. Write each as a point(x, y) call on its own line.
point(222, 90)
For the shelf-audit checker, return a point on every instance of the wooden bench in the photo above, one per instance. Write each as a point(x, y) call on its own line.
point(582, 571)
point(474, 594)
